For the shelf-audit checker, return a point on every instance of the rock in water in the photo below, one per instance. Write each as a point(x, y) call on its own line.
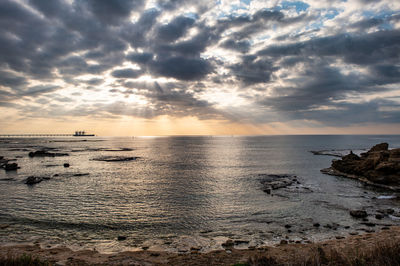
point(115, 158)
point(378, 166)
point(358, 213)
point(11, 166)
point(44, 153)
point(273, 182)
point(31, 180)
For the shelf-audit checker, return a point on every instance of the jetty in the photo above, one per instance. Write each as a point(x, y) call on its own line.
point(37, 135)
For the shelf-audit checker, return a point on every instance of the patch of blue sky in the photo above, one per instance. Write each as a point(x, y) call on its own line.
point(298, 5)
point(235, 8)
point(315, 25)
point(192, 15)
point(261, 38)
point(331, 13)
point(246, 2)
point(386, 26)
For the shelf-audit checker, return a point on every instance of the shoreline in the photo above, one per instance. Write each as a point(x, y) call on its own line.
point(281, 253)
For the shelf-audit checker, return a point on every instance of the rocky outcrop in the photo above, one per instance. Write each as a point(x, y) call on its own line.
point(272, 182)
point(115, 158)
point(379, 166)
point(43, 153)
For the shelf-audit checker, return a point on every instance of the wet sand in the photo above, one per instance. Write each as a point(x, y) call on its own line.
point(282, 253)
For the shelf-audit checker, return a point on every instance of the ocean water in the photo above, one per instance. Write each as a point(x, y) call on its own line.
point(183, 192)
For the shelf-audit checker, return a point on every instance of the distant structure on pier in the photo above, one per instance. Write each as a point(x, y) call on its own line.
point(82, 134)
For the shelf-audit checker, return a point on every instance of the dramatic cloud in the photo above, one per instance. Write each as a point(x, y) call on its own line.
point(324, 62)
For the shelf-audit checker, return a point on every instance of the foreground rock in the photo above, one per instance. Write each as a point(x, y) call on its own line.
point(272, 182)
point(43, 153)
point(379, 166)
point(115, 158)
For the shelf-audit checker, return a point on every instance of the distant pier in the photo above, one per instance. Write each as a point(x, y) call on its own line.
point(34, 135)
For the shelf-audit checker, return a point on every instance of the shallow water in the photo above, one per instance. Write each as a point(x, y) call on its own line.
point(182, 192)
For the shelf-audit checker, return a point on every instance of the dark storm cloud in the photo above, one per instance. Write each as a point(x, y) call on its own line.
point(191, 47)
point(11, 80)
point(37, 90)
point(253, 70)
point(137, 33)
point(175, 29)
point(140, 58)
point(320, 85)
point(362, 49)
point(182, 68)
point(240, 46)
point(126, 73)
point(112, 12)
point(348, 114)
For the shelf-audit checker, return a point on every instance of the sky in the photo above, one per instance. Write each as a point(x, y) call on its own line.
point(183, 67)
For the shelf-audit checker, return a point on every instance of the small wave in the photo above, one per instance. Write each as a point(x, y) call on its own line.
point(387, 197)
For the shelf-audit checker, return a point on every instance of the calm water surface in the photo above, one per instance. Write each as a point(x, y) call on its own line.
point(182, 192)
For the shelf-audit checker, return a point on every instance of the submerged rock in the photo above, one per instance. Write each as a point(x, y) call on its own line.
point(43, 153)
point(115, 158)
point(273, 182)
point(379, 166)
point(31, 180)
point(327, 153)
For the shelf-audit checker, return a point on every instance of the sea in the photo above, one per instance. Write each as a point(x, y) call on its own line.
point(184, 193)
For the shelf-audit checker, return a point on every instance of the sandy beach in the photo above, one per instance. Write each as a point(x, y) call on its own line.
point(285, 253)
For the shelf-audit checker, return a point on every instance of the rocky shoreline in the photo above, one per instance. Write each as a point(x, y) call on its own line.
point(378, 167)
point(282, 254)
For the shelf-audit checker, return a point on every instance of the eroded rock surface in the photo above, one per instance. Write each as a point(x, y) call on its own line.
point(379, 166)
